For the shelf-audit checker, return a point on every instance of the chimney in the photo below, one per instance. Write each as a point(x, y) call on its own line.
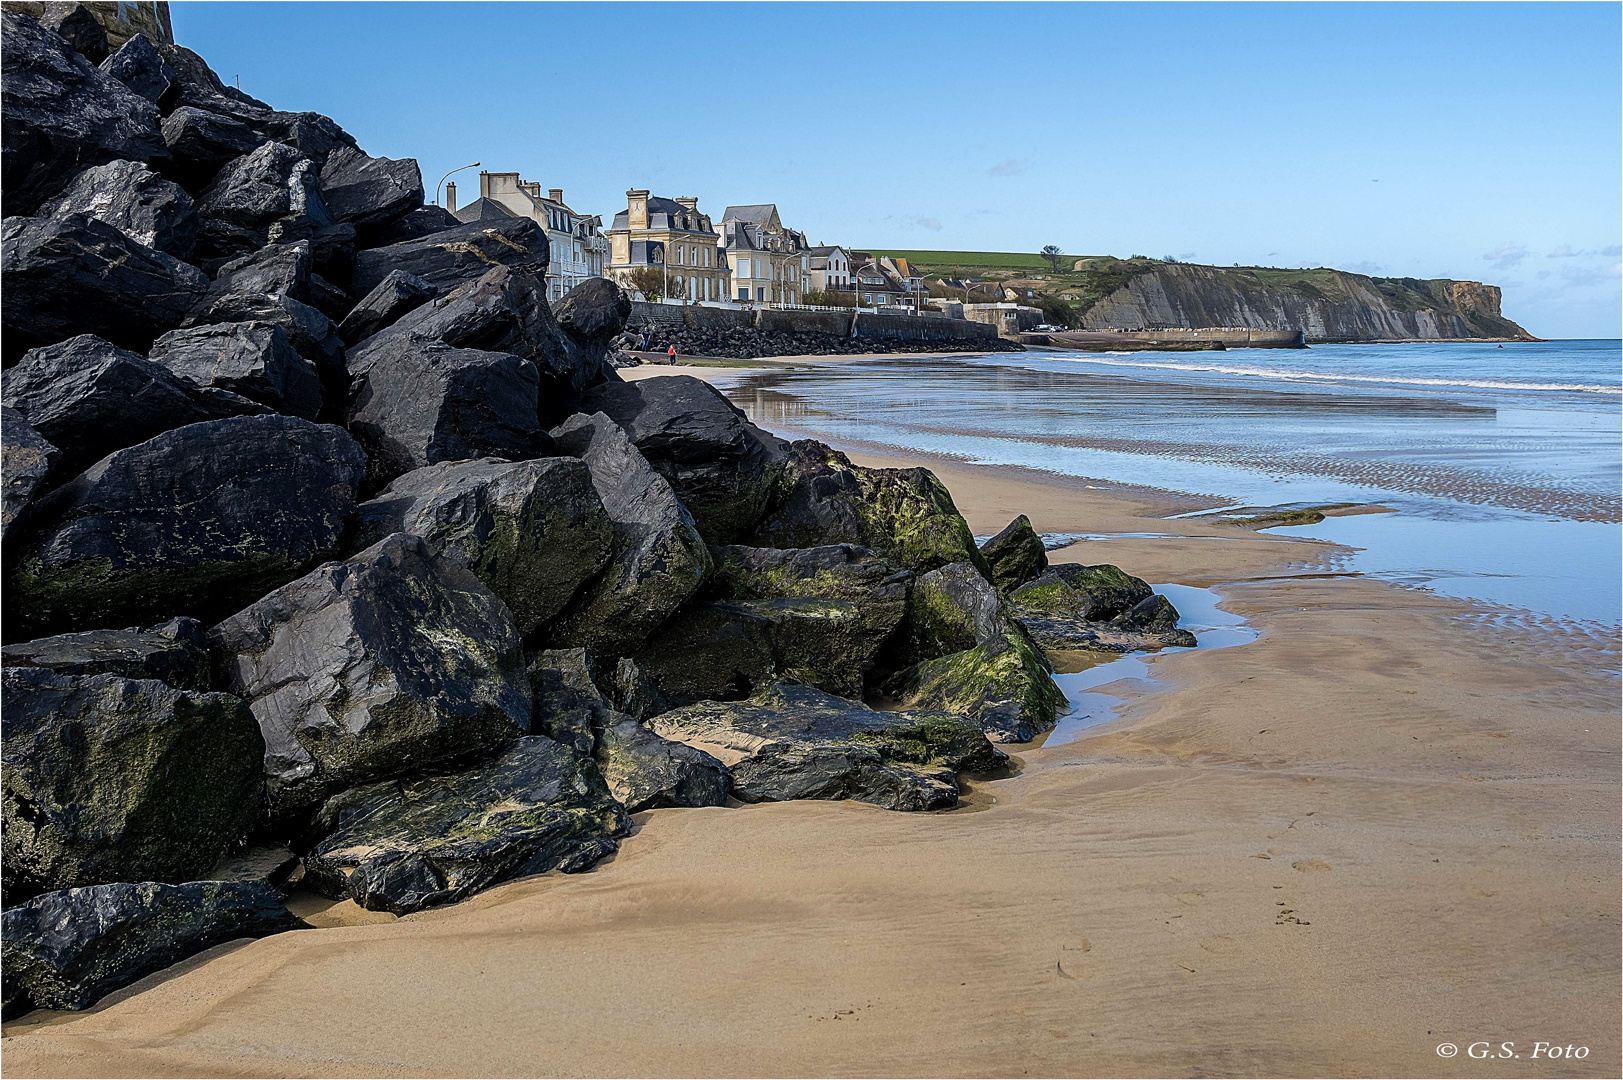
point(689, 201)
point(484, 183)
point(637, 208)
point(450, 196)
point(556, 194)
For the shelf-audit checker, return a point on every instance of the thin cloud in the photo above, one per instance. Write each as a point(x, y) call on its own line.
point(1506, 255)
point(1010, 167)
point(1563, 252)
point(930, 223)
point(1612, 252)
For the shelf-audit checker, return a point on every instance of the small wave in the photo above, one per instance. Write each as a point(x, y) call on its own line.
point(1393, 380)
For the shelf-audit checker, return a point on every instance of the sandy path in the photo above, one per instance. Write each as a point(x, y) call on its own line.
point(1376, 829)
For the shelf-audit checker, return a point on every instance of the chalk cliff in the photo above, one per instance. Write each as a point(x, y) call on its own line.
point(1327, 305)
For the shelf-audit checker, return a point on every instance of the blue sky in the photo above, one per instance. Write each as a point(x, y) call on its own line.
point(1462, 140)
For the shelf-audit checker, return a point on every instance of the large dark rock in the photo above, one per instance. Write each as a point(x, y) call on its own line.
point(1153, 614)
point(68, 949)
point(447, 259)
point(659, 559)
point(831, 608)
point(539, 806)
point(591, 314)
point(502, 311)
point(78, 26)
point(114, 779)
point(644, 771)
point(1015, 555)
point(76, 275)
point(394, 661)
point(202, 142)
point(630, 689)
point(396, 295)
point(422, 402)
point(200, 520)
point(794, 742)
point(277, 284)
point(1094, 593)
point(139, 66)
point(90, 398)
point(709, 651)
point(28, 460)
point(59, 116)
point(272, 195)
point(424, 221)
point(727, 471)
point(252, 359)
point(534, 531)
point(134, 200)
point(905, 515)
point(978, 661)
point(175, 654)
point(365, 190)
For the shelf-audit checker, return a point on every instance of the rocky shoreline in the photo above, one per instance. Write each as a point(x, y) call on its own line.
point(752, 344)
point(325, 534)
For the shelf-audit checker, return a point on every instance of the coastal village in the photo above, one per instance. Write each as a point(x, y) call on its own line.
point(669, 250)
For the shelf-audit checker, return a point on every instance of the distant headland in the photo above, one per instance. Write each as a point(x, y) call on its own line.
point(1141, 293)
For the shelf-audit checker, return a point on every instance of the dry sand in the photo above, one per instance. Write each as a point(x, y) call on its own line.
point(1381, 827)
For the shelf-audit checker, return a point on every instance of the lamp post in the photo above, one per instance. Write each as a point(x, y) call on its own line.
point(446, 177)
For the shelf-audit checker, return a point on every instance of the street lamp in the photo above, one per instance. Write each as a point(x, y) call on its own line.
point(447, 176)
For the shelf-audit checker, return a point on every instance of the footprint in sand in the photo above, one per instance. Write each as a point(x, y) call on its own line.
point(1309, 866)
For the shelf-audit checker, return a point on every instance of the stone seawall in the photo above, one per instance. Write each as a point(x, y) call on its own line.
point(870, 326)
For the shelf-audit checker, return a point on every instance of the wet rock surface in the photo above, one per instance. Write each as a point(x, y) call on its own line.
point(74, 274)
point(28, 459)
point(424, 402)
point(658, 558)
point(709, 651)
point(364, 190)
point(447, 258)
point(271, 195)
point(726, 471)
point(533, 531)
point(196, 521)
point(794, 742)
point(538, 806)
point(175, 653)
point(68, 949)
point(202, 142)
point(394, 296)
point(393, 661)
point(59, 115)
point(90, 398)
point(1015, 555)
point(830, 609)
point(904, 515)
point(112, 779)
point(1074, 606)
point(139, 66)
point(252, 359)
point(134, 200)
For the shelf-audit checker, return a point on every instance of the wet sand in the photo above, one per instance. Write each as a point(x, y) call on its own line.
point(1381, 827)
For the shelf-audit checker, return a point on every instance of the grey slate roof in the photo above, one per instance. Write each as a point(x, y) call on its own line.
point(755, 213)
point(482, 210)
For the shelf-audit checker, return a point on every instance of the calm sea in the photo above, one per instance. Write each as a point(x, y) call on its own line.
point(1502, 464)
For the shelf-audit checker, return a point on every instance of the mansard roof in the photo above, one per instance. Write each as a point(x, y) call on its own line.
point(482, 210)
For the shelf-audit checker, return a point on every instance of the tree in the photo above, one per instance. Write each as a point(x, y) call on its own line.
point(1053, 254)
point(648, 280)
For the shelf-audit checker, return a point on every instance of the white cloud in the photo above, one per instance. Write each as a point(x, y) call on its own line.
point(1563, 252)
point(1009, 167)
point(1506, 255)
point(928, 223)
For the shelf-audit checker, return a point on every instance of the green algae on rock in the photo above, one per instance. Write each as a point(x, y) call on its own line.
point(796, 742)
point(1015, 555)
point(537, 806)
point(114, 779)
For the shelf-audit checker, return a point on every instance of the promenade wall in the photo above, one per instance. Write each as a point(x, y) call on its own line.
point(869, 325)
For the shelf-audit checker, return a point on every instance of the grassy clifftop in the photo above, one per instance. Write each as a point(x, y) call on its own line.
point(1327, 304)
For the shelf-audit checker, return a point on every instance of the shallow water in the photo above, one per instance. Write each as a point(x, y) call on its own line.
point(1504, 464)
point(1198, 612)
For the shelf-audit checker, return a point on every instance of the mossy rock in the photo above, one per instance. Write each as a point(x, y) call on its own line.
point(1084, 592)
point(1006, 687)
point(796, 742)
point(1015, 556)
point(113, 779)
point(538, 806)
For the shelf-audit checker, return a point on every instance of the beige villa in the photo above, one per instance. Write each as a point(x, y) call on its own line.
point(770, 263)
point(672, 236)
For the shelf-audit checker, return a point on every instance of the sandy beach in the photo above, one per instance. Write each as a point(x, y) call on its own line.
point(1381, 827)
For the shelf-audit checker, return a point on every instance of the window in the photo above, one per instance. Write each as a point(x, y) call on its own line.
point(760, 292)
point(743, 269)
